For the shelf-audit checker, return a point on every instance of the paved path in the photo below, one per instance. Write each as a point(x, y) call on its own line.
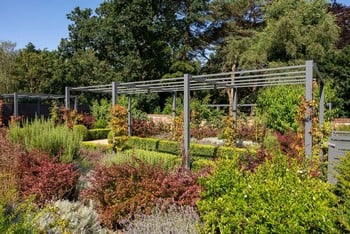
point(101, 142)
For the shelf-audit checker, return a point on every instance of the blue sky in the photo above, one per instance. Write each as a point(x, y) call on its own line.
point(42, 22)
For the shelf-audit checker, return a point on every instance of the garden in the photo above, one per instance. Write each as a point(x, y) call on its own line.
point(254, 178)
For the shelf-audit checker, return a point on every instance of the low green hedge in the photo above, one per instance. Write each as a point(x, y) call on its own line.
point(203, 150)
point(97, 133)
point(143, 143)
point(196, 150)
point(170, 147)
point(174, 147)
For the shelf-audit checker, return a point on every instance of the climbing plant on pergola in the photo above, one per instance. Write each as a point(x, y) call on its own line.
point(290, 75)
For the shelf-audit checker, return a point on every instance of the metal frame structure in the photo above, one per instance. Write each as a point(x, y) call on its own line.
point(38, 96)
point(289, 75)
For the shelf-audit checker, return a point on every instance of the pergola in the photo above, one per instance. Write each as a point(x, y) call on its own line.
point(36, 96)
point(290, 75)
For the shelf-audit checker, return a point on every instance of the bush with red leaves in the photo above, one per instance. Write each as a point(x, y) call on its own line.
point(291, 144)
point(206, 131)
point(87, 120)
point(9, 179)
point(46, 178)
point(121, 191)
point(250, 161)
point(147, 128)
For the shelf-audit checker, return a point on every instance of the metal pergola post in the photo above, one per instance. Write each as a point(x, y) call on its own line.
point(76, 103)
point(67, 97)
point(15, 105)
point(129, 115)
point(187, 135)
point(322, 104)
point(173, 108)
point(308, 99)
point(234, 107)
point(114, 93)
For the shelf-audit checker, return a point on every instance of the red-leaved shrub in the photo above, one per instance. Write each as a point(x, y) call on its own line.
point(291, 144)
point(200, 132)
point(87, 120)
point(46, 177)
point(147, 128)
point(9, 179)
point(251, 161)
point(121, 191)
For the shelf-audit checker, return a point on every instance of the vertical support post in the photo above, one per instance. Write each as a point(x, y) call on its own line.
point(114, 93)
point(38, 103)
point(321, 114)
point(15, 105)
point(234, 107)
point(308, 99)
point(187, 135)
point(67, 97)
point(322, 104)
point(129, 115)
point(76, 103)
point(173, 109)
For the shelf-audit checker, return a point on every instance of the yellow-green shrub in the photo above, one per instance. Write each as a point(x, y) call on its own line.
point(47, 137)
point(119, 126)
point(279, 197)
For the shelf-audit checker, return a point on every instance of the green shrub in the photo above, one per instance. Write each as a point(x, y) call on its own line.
point(279, 197)
point(229, 152)
point(17, 218)
point(279, 106)
point(63, 216)
point(167, 161)
point(170, 147)
point(342, 189)
point(82, 130)
point(101, 123)
point(143, 143)
point(101, 112)
point(98, 133)
point(110, 137)
point(199, 164)
point(203, 150)
point(45, 136)
point(343, 127)
point(173, 220)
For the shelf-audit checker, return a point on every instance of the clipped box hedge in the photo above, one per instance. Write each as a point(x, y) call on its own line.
point(203, 150)
point(143, 143)
point(170, 147)
point(174, 147)
point(97, 133)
